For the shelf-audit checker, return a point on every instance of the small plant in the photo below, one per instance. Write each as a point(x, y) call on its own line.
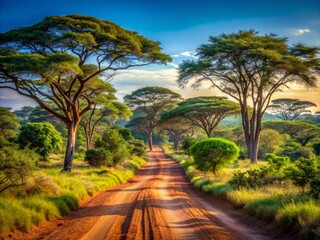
point(214, 153)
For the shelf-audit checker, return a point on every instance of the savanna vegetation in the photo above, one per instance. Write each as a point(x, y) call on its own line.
point(236, 148)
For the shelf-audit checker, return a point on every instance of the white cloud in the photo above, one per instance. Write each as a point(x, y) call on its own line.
point(175, 55)
point(301, 31)
point(173, 65)
point(188, 54)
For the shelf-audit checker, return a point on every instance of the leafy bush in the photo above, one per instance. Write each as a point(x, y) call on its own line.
point(254, 178)
point(112, 145)
point(303, 171)
point(295, 151)
point(16, 166)
point(43, 137)
point(187, 143)
point(214, 153)
point(138, 147)
point(98, 157)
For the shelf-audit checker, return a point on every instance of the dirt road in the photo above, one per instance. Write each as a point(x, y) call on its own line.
point(158, 203)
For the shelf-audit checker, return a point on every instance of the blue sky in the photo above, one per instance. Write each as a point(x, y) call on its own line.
point(180, 26)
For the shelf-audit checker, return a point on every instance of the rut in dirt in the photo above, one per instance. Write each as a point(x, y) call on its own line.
point(158, 203)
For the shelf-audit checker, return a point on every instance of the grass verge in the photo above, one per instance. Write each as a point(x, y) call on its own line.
point(49, 195)
point(283, 202)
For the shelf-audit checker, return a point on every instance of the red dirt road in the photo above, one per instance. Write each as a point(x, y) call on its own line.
point(158, 203)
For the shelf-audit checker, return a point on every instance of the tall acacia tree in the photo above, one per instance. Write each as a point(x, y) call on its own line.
point(203, 112)
point(251, 68)
point(54, 61)
point(150, 103)
point(289, 108)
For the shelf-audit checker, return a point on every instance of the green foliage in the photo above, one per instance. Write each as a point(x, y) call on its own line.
point(16, 166)
point(303, 171)
point(255, 178)
point(187, 142)
point(66, 56)
point(214, 153)
point(111, 149)
point(295, 151)
point(300, 132)
point(138, 147)
point(97, 158)
point(42, 137)
point(9, 124)
point(316, 148)
point(315, 184)
point(148, 104)
point(203, 112)
point(270, 142)
point(303, 217)
point(125, 133)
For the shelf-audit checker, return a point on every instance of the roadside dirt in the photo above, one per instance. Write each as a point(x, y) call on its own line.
point(158, 203)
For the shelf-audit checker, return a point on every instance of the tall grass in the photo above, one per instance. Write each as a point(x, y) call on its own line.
point(49, 195)
point(282, 202)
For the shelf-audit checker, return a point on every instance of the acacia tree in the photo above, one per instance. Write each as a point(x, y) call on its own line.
point(176, 128)
point(150, 103)
point(301, 132)
point(104, 108)
point(204, 112)
point(289, 109)
point(251, 68)
point(54, 61)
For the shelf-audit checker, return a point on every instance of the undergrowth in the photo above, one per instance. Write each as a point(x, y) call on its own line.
point(50, 195)
point(283, 202)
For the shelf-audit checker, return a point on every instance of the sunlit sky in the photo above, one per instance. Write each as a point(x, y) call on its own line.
point(181, 26)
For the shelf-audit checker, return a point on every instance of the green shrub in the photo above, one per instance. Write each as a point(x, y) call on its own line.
point(138, 147)
point(113, 142)
point(214, 153)
point(187, 143)
point(303, 171)
point(16, 166)
point(98, 157)
point(42, 136)
point(295, 151)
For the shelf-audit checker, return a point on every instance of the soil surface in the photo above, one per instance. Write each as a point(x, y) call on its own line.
point(158, 203)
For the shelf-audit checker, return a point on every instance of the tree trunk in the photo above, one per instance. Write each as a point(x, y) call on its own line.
point(71, 144)
point(176, 143)
point(150, 140)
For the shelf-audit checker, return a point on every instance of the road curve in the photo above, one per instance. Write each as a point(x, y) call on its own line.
point(158, 203)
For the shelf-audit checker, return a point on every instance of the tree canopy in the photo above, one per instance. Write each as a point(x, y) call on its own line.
point(61, 59)
point(9, 124)
point(203, 112)
point(300, 132)
point(149, 103)
point(250, 68)
point(289, 108)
